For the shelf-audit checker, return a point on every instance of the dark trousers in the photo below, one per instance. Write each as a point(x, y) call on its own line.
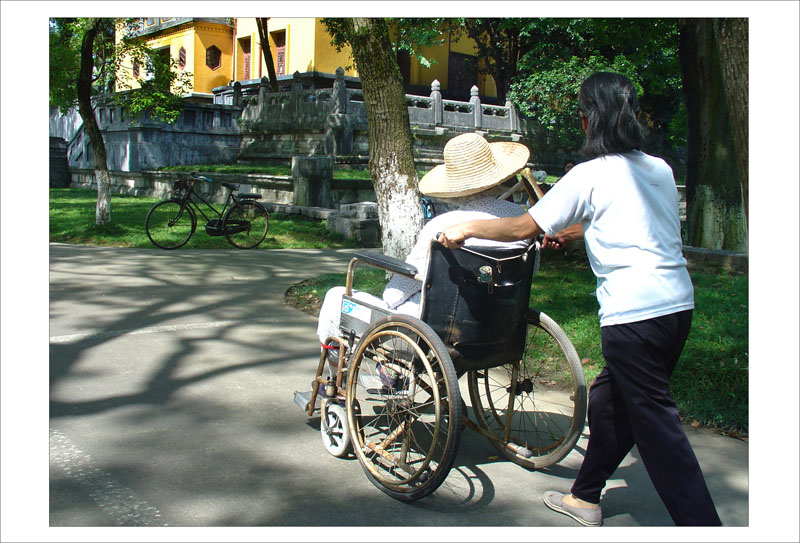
point(630, 403)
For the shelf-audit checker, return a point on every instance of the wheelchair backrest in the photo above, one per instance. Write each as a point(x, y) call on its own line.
point(477, 302)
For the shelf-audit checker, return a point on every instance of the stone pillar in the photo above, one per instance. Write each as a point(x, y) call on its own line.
point(237, 94)
point(297, 87)
point(338, 126)
point(311, 176)
point(339, 96)
point(477, 111)
point(262, 99)
point(59, 168)
point(513, 117)
point(437, 106)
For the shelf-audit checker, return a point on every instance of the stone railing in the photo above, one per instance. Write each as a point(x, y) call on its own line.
point(250, 124)
point(333, 121)
point(265, 109)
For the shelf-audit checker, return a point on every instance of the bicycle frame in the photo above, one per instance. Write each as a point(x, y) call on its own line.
point(188, 201)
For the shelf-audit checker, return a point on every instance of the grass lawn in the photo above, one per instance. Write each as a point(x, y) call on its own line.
point(710, 384)
point(72, 221)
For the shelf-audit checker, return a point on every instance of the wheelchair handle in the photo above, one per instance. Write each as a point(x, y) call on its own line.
point(381, 261)
point(438, 240)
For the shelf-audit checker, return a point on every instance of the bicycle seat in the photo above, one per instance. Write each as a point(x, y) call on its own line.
point(232, 186)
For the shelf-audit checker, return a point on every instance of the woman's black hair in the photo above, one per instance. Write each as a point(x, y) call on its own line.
point(610, 104)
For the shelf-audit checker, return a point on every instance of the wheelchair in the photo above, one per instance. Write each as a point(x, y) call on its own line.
point(387, 389)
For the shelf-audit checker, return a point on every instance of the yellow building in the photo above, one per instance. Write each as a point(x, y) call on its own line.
point(203, 47)
point(218, 51)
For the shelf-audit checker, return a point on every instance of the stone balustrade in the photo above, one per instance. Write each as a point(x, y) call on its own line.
point(248, 123)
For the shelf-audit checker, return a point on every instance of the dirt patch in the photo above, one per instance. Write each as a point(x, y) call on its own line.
point(304, 301)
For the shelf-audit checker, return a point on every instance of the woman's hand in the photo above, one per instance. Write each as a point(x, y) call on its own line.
point(453, 237)
point(560, 240)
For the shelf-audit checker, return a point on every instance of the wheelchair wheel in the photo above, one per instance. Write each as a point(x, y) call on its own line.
point(535, 408)
point(403, 407)
point(334, 431)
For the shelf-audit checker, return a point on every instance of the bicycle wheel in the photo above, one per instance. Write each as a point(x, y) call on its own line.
point(403, 407)
point(536, 408)
point(246, 224)
point(170, 224)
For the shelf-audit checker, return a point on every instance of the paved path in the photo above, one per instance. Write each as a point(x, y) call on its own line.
point(171, 381)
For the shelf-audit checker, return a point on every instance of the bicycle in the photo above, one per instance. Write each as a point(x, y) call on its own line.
point(172, 222)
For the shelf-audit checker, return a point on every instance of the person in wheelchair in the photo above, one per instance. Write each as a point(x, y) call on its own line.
point(468, 184)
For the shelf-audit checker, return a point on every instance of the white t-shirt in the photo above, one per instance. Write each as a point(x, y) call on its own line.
point(628, 207)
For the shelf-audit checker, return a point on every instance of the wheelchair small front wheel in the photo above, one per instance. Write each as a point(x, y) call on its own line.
point(536, 407)
point(334, 430)
point(403, 407)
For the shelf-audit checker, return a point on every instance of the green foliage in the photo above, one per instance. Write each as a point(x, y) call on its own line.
point(551, 96)
point(65, 37)
point(409, 35)
point(162, 83)
point(549, 72)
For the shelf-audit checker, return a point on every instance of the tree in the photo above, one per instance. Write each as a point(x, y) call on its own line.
point(85, 62)
point(263, 36)
point(716, 183)
point(500, 43)
point(560, 53)
point(732, 38)
point(391, 159)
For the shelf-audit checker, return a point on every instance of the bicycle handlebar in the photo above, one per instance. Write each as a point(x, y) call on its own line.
point(201, 178)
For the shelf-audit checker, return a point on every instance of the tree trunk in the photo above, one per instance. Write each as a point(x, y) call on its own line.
point(391, 159)
point(731, 35)
point(261, 22)
point(84, 87)
point(715, 208)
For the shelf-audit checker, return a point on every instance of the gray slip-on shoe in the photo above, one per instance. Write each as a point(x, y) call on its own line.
point(585, 515)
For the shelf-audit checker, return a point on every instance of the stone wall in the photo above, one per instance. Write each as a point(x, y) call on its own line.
point(273, 188)
point(278, 189)
point(204, 134)
point(716, 260)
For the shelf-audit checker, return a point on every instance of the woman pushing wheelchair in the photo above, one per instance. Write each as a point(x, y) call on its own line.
point(624, 204)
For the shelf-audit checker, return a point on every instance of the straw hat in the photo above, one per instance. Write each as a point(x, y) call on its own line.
point(472, 164)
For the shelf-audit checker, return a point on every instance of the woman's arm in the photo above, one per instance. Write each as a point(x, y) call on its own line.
point(502, 229)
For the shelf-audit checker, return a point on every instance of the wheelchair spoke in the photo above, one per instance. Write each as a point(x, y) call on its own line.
point(535, 408)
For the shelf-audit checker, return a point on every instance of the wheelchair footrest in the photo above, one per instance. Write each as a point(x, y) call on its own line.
point(303, 400)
